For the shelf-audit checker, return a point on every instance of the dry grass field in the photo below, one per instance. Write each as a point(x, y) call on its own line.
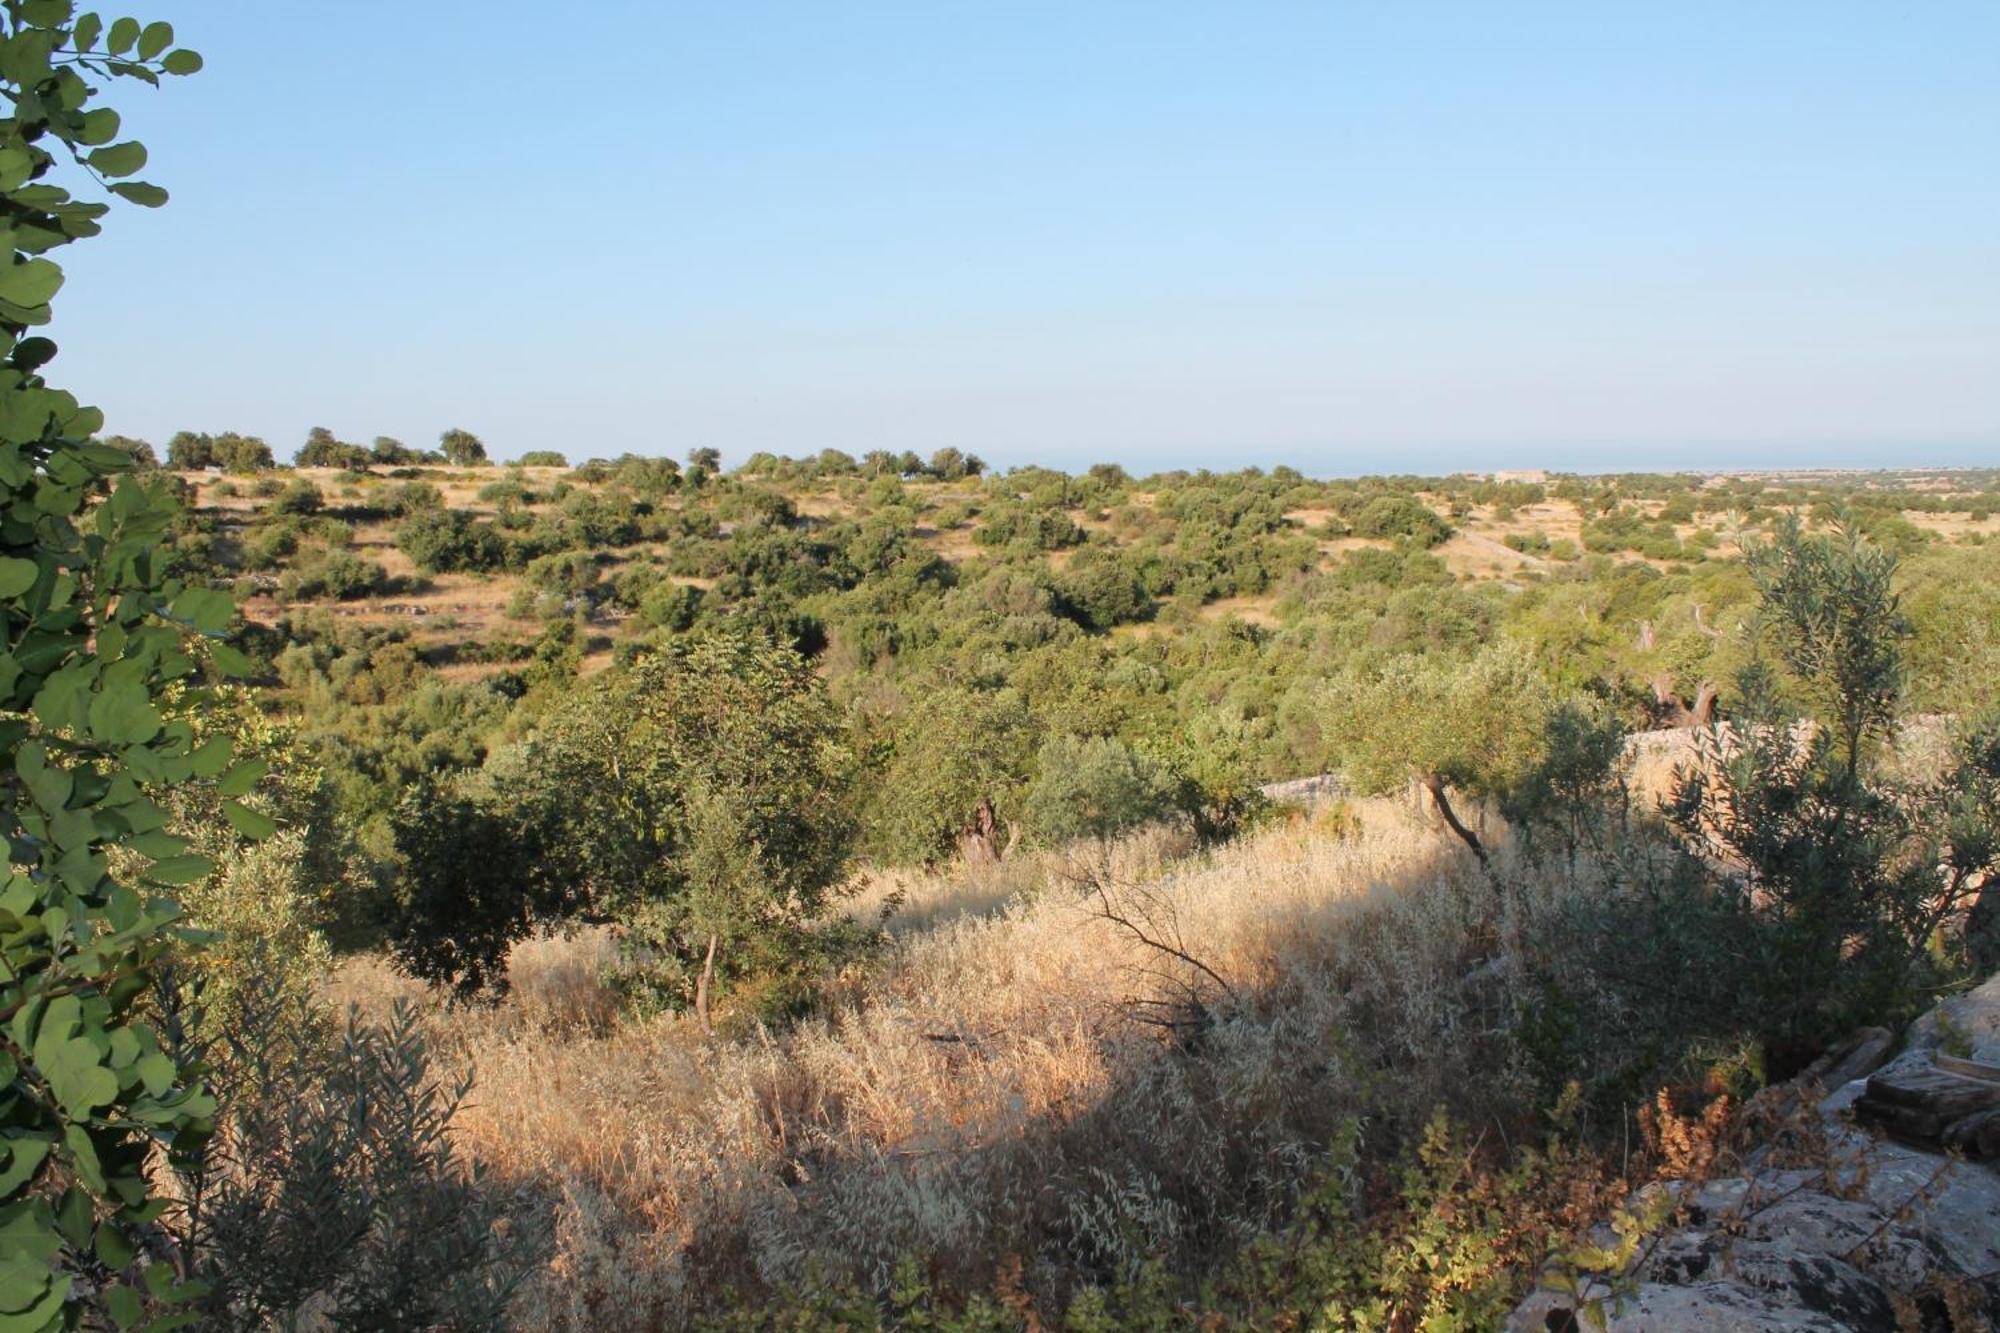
point(1000, 1058)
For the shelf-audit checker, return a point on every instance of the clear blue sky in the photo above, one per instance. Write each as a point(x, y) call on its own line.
point(1351, 237)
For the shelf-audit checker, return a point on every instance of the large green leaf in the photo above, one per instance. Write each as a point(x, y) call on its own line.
point(49, 785)
point(30, 283)
point(74, 1071)
point(180, 870)
point(40, 1312)
point(250, 823)
point(243, 779)
point(119, 159)
point(18, 1159)
point(155, 38)
point(206, 609)
point(124, 715)
point(140, 193)
point(16, 164)
point(17, 576)
point(47, 13)
point(99, 127)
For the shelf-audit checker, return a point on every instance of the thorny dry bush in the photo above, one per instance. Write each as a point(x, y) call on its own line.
point(995, 1089)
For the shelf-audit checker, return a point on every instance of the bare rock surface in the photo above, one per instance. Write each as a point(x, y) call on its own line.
point(1312, 791)
point(1876, 1234)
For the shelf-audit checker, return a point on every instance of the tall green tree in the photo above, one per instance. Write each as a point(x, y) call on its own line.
point(1830, 607)
point(1850, 870)
point(462, 448)
point(324, 449)
point(190, 451)
point(1474, 725)
point(696, 797)
point(954, 779)
point(96, 633)
point(388, 449)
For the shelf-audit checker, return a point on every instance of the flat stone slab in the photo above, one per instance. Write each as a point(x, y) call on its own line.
point(1922, 1102)
point(1778, 1251)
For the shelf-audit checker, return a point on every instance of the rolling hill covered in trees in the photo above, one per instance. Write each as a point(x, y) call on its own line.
point(836, 893)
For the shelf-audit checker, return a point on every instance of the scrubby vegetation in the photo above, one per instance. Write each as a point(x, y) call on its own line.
point(836, 893)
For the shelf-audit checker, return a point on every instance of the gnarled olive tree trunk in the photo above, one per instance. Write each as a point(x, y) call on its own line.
point(1435, 785)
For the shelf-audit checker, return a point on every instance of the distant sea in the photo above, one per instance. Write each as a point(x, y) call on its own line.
point(1357, 460)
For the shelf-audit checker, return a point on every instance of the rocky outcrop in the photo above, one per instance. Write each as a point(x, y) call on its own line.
point(1312, 791)
point(1862, 1232)
point(1943, 1090)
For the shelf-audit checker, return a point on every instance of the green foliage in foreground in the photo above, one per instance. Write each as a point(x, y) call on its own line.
point(1445, 1237)
point(333, 1191)
point(95, 635)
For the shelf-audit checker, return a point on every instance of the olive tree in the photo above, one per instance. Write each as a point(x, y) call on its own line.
point(461, 448)
point(695, 797)
point(1830, 608)
point(954, 777)
point(1093, 787)
point(1473, 724)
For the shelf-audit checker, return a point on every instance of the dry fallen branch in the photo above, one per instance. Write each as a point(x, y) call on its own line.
point(1149, 917)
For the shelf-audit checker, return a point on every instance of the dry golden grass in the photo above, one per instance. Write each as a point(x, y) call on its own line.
point(1250, 610)
point(1954, 526)
point(1473, 555)
point(953, 544)
point(822, 505)
point(989, 1088)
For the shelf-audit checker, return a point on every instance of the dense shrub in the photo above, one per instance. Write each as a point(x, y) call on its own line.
point(270, 545)
point(300, 498)
point(1092, 788)
point(693, 795)
point(341, 575)
point(1034, 529)
point(411, 497)
point(671, 606)
point(567, 574)
point(1103, 591)
point(507, 493)
point(1401, 518)
point(333, 1188)
point(440, 541)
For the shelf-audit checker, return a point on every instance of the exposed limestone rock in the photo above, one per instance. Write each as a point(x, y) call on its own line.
point(1312, 791)
point(1942, 1088)
point(1858, 1057)
point(1879, 1235)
